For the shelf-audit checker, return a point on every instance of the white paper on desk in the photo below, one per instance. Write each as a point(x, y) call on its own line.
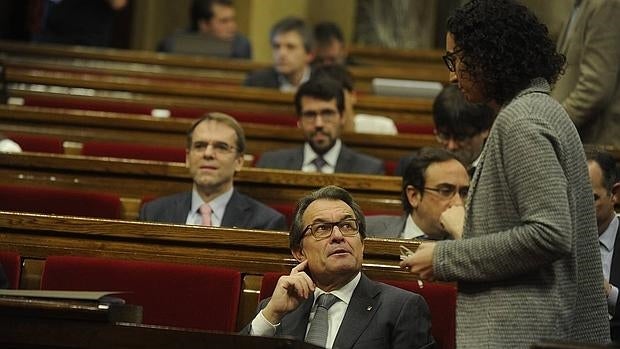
point(99, 296)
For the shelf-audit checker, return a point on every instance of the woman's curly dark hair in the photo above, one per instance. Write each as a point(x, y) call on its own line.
point(504, 47)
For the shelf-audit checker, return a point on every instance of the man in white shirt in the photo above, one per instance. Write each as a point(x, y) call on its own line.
point(435, 184)
point(606, 189)
point(320, 107)
point(327, 238)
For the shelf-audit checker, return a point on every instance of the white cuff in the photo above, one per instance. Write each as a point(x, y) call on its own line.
point(612, 299)
point(262, 327)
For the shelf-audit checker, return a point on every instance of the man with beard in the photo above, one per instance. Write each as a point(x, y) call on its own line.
point(215, 147)
point(320, 105)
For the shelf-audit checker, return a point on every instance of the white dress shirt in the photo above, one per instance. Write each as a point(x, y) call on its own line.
point(286, 86)
point(218, 207)
point(335, 314)
point(412, 230)
point(331, 157)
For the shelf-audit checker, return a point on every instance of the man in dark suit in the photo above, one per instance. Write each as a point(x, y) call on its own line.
point(215, 148)
point(291, 45)
point(327, 238)
point(320, 105)
point(434, 189)
point(606, 189)
point(213, 32)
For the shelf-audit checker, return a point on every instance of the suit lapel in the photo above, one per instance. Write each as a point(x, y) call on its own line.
point(295, 323)
point(362, 308)
point(343, 163)
point(614, 274)
point(234, 214)
point(181, 208)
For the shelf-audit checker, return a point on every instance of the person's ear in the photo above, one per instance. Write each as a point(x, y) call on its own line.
point(299, 254)
point(615, 193)
point(413, 196)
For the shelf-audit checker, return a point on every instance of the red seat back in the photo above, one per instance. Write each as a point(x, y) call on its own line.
point(59, 201)
point(180, 295)
point(133, 151)
point(441, 300)
point(37, 143)
point(11, 264)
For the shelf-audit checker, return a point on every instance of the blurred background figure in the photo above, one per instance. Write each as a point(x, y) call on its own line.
point(79, 22)
point(329, 45)
point(213, 32)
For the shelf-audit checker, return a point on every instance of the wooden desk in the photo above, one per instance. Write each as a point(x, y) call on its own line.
point(81, 125)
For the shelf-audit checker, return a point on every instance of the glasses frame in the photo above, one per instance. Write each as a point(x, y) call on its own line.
point(327, 115)
point(331, 231)
point(462, 191)
point(449, 59)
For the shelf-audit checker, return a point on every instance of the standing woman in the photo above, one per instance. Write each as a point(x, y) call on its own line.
point(527, 265)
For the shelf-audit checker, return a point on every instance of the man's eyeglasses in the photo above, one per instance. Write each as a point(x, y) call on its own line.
point(323, 230)
point(219, 148)
point(328, 115)
point(447, 191)
point(450, 60)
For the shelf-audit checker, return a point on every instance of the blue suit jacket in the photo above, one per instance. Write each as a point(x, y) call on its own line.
point(349, 161)
point(379, 316)
point(241, 212)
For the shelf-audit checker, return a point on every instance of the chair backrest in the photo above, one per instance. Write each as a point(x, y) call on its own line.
point(11, 264)
point(59, 201)
point(37, 143)
point(441, 300)
point(180, 295)
point(134, 151)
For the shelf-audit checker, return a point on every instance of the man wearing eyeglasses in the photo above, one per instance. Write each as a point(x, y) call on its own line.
point(215, 147)
point(434, 189)
point(320, 106)
point(327, 238)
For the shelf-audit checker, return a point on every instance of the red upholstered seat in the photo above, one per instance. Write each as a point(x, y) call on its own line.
point(415, 128)
point(286, 209)
point(59, 201)
point(37, 143)
point(390, 167)
point(441, 300)
point(133, 151)
point(11, 264)
point(180, 295)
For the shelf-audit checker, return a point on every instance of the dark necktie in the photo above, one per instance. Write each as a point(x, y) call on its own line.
point(317, 334)
point(319, 163)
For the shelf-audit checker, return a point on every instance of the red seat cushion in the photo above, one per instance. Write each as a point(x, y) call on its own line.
point(59, 201)
point(11, 264)
point(415, 128)
point(181, 295)
point(37, 143)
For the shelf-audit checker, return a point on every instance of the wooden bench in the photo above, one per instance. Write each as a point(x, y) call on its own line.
point(134, 180)
point(224, 97)
point(82, 125)
point(252, 252)
point(430, 68)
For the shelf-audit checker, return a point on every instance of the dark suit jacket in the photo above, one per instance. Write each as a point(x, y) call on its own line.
point(378, 316)
point(241, 212)
point(385, 226)
point(614, 279)
point(267, 78)
point(349, 161)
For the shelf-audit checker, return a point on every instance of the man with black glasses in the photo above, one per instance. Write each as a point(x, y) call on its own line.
point(434, 189)
point(215, 148)
point(320, 106)
point(350, 311)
